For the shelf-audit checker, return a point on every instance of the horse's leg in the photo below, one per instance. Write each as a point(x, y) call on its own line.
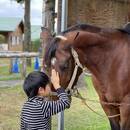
point(125, 113)
point(111, 111)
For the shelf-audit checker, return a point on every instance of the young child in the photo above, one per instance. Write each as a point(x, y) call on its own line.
point(37, 111)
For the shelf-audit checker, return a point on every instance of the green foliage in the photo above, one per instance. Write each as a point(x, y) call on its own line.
point(2, 39)
point(36, 45)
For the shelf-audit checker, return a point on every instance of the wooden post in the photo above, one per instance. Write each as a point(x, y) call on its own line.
point(24, 68)
point(11, 65)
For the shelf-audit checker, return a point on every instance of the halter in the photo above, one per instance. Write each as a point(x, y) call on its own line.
point(77, 65)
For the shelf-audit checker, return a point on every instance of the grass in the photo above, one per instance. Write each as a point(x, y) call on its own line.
point(11, 100)
point(78, 117)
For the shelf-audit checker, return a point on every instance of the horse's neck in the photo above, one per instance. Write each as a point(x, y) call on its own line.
point(96, 59)
point(96, 56)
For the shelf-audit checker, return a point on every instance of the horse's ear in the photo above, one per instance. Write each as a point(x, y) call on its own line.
point(77, 34)
point(61, 37)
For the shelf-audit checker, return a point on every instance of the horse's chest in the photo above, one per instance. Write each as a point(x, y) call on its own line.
point(107, 92)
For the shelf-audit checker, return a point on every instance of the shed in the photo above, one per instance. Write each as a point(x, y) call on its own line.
point(12, 29)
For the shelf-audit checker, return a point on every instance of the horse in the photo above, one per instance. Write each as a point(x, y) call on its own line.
point(105, 52)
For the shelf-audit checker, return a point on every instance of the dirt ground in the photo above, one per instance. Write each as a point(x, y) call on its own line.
point(10, 83)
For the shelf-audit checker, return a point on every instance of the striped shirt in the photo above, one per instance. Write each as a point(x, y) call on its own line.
point(36, 112)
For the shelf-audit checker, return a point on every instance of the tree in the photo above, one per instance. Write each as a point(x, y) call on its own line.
point(27, 27)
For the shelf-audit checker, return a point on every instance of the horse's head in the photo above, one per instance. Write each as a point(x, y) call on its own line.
point(59, 55)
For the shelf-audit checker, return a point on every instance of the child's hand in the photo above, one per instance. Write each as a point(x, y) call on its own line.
point(55, 79)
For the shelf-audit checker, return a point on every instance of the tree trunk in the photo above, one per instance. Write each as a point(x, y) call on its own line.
point(27, 29)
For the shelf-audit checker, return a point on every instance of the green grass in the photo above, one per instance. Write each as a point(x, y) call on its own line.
point(11, 100)
point(78, 117)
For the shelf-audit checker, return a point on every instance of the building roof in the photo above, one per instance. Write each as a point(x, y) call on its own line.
point(35, 32)
point(9, 23)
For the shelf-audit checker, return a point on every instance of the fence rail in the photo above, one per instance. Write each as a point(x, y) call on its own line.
point(17, 54)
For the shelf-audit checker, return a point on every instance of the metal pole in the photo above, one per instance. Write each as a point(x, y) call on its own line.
point(64, 16)
point(61, 120)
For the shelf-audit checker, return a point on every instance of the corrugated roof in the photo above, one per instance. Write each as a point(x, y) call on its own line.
point(9, 23)
point(35, 32)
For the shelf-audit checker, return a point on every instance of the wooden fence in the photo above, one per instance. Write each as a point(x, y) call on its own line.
point(22, 55)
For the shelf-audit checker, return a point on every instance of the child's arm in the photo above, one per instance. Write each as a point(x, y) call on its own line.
point(53, 107)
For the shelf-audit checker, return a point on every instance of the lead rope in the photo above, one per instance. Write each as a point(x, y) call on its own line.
point(79, 96)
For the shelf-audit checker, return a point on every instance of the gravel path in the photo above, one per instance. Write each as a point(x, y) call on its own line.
point(10, 83)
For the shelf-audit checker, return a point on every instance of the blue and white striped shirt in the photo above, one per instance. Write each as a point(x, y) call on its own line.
point(36, 112)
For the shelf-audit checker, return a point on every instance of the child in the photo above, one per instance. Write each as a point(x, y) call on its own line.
point(37, 111)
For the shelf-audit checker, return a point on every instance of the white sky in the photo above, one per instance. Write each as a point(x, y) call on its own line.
point(10, 8)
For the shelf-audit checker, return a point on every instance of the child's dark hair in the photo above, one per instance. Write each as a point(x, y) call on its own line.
point(33, 81)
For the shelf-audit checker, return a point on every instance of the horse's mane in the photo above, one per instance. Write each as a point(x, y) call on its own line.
point(125, 29)
point(50, 51)
point(83, 27)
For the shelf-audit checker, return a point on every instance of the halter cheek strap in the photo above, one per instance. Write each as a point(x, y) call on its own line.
point(76, 58)
point(77, 65)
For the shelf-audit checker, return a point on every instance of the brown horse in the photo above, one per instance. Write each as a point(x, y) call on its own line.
point(106, 53)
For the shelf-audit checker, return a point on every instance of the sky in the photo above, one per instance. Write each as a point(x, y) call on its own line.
point(10, 8)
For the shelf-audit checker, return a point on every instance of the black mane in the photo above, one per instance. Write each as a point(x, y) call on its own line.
point(125, 29)
point(50, 51)
point(83, 27)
